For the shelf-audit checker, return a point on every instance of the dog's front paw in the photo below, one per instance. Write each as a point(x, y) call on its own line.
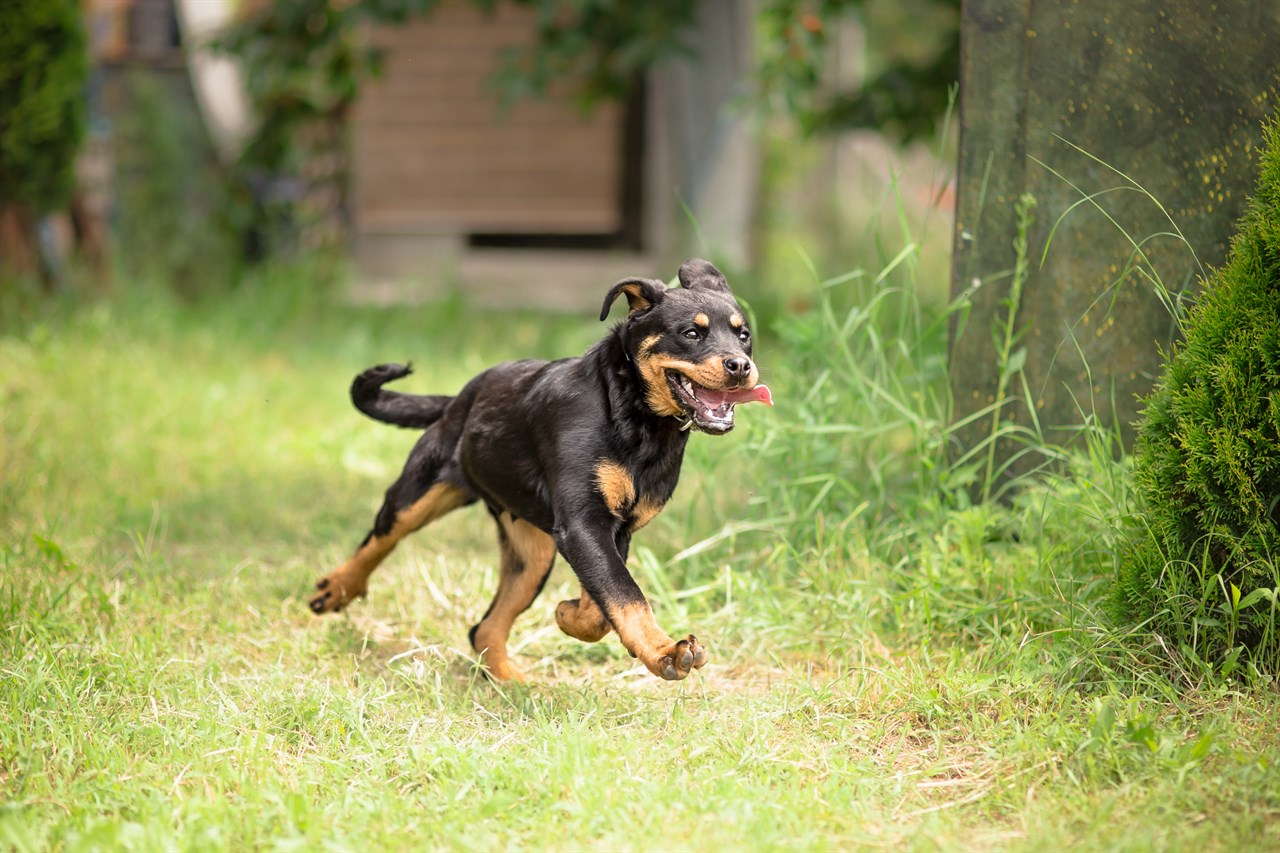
point(660, 654)
point(335, 593)
point(682, 658)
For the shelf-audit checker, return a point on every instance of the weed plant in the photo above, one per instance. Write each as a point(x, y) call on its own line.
point(164, 162)
point(872, 497)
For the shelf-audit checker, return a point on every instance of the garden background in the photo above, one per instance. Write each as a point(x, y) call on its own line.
point(918, 624)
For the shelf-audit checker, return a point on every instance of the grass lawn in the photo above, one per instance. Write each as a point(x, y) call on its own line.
point(889, 669)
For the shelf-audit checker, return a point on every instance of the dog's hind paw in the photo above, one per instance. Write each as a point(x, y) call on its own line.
point(684, 657)
point(333, 595)
point(582, 619)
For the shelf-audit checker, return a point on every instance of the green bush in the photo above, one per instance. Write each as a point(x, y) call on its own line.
point(1203, 572)
point(43, 69)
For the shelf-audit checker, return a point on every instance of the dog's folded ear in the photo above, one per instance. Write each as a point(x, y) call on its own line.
point(696, 273)
point(642, 293)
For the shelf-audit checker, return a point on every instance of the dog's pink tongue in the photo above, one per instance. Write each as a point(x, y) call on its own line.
point(759, 394)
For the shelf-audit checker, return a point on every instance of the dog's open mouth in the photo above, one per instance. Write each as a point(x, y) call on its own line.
point(711, 410)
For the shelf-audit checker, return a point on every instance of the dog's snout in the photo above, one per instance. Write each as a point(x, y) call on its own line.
point(737, 366)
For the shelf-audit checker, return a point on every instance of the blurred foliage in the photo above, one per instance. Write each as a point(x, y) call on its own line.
point(44, 66)
point(911, 61)
point(598, 47)
point(165, 162)
point(305, 61)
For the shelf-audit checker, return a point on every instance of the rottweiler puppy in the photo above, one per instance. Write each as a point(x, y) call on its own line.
point(570, 456)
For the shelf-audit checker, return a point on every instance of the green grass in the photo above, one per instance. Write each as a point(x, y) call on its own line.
point(893, 666)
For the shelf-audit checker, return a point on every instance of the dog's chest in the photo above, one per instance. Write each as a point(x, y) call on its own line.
point(635, 494)
point(649, 502)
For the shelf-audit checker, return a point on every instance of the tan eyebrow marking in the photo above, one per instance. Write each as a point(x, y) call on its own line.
point(702, 320)
point(736, 321)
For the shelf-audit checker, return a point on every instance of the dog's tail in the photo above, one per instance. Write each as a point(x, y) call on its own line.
point(418, 411)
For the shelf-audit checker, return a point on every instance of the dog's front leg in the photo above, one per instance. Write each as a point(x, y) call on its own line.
point(590, 548)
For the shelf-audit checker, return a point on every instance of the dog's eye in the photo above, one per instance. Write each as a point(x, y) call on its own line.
point(692, 334)
point(744, 336)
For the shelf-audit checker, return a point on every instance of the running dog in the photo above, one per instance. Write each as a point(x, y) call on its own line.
point(570, 456)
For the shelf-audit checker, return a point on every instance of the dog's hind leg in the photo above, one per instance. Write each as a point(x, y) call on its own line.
point(409, 506)
point(527, 557)
point(582, 619)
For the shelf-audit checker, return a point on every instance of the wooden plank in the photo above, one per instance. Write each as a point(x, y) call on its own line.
point(528, 193)
point(397, 111)
point(505, 219)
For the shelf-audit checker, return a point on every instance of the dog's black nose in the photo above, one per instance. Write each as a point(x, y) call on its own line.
point(738, 367)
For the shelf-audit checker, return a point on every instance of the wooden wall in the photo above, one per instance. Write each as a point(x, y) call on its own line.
point(434, 152)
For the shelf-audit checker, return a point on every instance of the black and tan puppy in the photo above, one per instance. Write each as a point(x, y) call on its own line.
point(572, 456)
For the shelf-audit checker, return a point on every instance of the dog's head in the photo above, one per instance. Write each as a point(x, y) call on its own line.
point(691, 347)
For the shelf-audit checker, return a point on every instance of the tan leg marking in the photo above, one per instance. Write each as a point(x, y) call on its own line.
point(582, 619)
point(527, 556)
point(615, 483)
point(663, 656)
point(351, 580)
point(646, 510)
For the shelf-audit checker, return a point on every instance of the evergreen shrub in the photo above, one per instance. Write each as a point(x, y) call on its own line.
point(1202, 571)
point(44, 66)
